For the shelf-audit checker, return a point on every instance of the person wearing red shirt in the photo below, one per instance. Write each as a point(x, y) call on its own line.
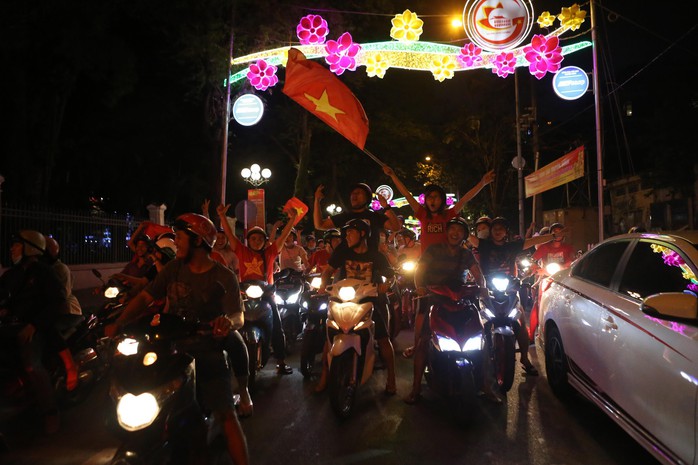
point(321, 257)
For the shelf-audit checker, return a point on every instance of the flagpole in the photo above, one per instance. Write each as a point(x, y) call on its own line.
point(374, 158)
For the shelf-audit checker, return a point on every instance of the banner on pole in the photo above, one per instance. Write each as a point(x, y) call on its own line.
point(256, 196)
point(563, 170)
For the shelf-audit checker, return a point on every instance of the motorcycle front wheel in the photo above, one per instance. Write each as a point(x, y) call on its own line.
point(504, 355)
point(254, 354)
point(308, 354)
point(343, 383)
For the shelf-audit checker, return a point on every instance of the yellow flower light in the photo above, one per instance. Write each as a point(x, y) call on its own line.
point(572, 17)
point(407, 27)
point(443, 68)
point(376, 65)
point(546, 19)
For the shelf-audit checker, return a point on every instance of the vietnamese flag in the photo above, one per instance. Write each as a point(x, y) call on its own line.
point(320, 92)
point(298, 205)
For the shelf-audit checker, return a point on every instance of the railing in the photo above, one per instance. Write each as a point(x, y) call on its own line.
point(84, 237)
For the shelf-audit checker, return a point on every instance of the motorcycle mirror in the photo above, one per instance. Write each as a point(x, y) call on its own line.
point(96, 272)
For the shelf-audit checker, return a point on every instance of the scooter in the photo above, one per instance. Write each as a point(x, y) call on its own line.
point(455, 357)
point(313, 317)
point(289, 295)
point(350, 335)
point(256, 332)
point(405, 282)
point(500, 312)
point(153, 388)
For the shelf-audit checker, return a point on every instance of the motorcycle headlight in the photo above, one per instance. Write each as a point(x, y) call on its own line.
point(474, 343)
point(525, 262)
point(552, 268)
point(111, 292)
point(316, 282)
point(127, 346)
point(254, 292)
point(137, 412)
point(347, 293)
point(447, 344)
point(323, 306)
point(500, 284)
point(513, 313)
point(408, 266)
point(305, 304)
point(278, 299)
point(488, 314)
point(293, 298)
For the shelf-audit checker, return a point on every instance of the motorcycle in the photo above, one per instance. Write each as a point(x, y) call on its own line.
point(405, 282)
point(290, 294)
point(527, 279)
point(256, 332)
point(455, 358)
point(153, 389)
point(313, 317)
point(350, 336)
point(500, 312)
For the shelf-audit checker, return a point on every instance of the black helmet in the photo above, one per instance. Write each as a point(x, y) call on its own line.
point(332, 233)
point(359, 225)
point(434, 188)
point(408, 233)
point(364, 187)
point(500, 220)
point(457, 220)
point(256, 230)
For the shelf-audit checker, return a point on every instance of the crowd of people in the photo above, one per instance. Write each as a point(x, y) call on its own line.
point(177, 268)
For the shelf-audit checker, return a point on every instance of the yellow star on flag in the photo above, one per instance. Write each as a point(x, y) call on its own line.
point(255, 266)
point(323, 104)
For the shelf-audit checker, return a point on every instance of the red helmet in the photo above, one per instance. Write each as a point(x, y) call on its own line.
point(198, 225)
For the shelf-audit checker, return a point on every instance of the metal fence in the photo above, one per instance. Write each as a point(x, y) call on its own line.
point(84, 237)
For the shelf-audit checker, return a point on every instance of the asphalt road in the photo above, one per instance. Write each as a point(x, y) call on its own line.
point(293, 425)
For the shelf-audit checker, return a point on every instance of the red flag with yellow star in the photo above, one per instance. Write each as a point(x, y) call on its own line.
point(320, 92)
point(297, 204)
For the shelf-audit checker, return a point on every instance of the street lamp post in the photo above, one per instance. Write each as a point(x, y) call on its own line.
point(256, 176)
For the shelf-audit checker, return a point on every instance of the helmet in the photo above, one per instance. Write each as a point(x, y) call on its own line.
point(483, 220)
point(434, 188)
point(293, 233)
point(408, 233)
point(166, 246)
point(544, 230)
point(366, 188)
point(556, 226)
point(359, 225)
point(332, 233)
point(34, 242)
point(256, 230)
point(500, 220)
point(309, 237)
point(52, 247)
point(197, 225)
point(457, 220)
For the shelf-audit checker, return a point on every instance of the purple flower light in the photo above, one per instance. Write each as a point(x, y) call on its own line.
point(341, 54)
point(504, 64)
point(470, 55)
point(544, 55)
point(312, 29)
point(673, 259)
point(262, 75)
point(376, 205)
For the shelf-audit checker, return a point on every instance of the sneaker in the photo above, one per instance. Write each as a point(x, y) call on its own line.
point(283, 369)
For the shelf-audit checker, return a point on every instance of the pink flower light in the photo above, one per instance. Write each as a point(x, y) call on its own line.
point(470, 55)
point(312, 29)
point(262, 75)
point(341, 54)
point(504, 64)
point(544, 55)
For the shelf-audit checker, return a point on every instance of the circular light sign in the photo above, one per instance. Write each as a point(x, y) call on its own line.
point(248, 109)
point(570, 83)
point(496, 25)
point(385, 191)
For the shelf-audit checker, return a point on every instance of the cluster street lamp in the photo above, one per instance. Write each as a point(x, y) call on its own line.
point(333, 209)
point(256, 175)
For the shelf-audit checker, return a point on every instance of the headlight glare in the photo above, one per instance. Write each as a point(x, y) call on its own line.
point(474, 343)
point(137, 412)
point(127, 346)
point(254, 292)
point(500, 284)
point(447, 344)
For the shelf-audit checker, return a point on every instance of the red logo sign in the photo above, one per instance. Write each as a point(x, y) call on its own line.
point(496, 25)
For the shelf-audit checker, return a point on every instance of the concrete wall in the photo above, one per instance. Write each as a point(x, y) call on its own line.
point(84, 279)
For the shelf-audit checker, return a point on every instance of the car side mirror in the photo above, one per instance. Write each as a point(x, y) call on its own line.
point(671, 306)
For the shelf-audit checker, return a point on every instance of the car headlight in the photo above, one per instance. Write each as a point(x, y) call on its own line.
point(254, 292)
point(127, 346)
point(278, 300)
point(347, 293)
point(293, 298)
point(474, 343)
point(500, 284)
point(447, 344)
point(137, 412)
point(111, 292)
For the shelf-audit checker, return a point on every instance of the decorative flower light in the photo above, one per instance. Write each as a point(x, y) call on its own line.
point(376, 65)
point(572, 17)
point(376, 205)
point(544, 55)
point(546, 19)
point(449, 200)
point(407, 27)
point(262, 75)
point(672, 258)
point(341, 54)
point(312, 29)
point(470, 55)
point(442, 68)
point(504, 64)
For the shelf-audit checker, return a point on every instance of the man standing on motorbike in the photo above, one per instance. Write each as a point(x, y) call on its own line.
point(257, 262)
point(443, 264)
point(498, 254)
point(36, 299)
point(358, 261)
point(189, 283)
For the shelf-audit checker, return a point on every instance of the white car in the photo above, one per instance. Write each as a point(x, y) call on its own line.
point(621, 327)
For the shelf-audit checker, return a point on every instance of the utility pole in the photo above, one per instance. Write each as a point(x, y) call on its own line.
point(226, 123)
point(518, 162)
point(597, 107)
